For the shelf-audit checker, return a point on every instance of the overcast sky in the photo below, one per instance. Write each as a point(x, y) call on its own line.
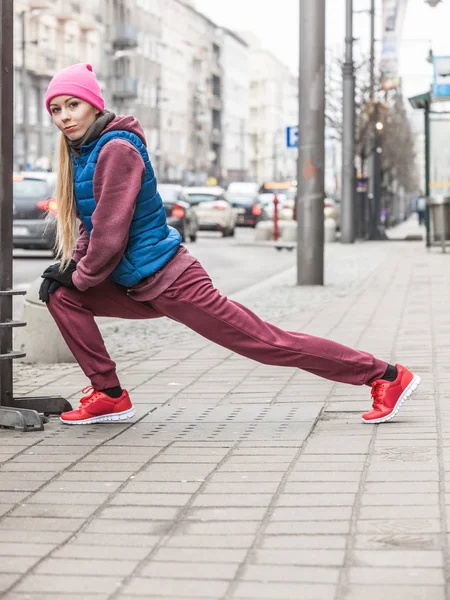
point(276, 23)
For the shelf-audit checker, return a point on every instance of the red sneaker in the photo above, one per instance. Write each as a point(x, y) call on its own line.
point(98, 407)
point(388, 396)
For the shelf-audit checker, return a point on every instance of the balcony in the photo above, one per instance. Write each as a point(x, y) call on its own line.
point(216, 136)
point(215, 103)
point(125, 37)
point(44, 63)
point(125, 88)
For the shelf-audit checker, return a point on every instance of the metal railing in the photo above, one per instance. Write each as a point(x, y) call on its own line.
point(17, 413)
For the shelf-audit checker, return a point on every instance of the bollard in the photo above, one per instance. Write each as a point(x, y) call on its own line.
point(276, 231)
point(330, 230)
point(41, 332)
point(263, 231)
point(289, 231)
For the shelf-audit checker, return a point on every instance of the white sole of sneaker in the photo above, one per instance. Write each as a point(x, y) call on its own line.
point(112, 417)
point(412, 387)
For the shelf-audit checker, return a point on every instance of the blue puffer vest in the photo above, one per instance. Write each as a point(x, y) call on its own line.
point(152, 242)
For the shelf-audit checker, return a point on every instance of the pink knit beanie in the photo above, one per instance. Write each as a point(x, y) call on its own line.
point(77, 80)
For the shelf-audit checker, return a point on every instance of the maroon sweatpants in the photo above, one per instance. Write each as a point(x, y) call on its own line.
point(193, 301)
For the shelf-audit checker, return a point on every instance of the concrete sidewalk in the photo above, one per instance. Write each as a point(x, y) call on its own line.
point(241, 481)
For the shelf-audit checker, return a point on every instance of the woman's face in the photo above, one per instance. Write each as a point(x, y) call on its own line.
point(72, 115)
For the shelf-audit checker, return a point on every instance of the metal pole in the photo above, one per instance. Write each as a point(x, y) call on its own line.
point(311, 149)
point(376, 233)
point(348, 135)
point(6, 205)
point(18, 413)
point(427, 172)
point(372, 53)
point(24, 91)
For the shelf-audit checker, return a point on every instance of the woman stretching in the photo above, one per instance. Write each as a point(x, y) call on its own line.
point(127, 262)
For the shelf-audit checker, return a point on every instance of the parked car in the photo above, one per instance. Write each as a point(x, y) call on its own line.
point(214, 211)
point(34, 210)
point(250, 209)
point(179, 212)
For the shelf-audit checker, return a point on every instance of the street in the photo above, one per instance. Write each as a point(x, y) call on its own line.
point(232, 265)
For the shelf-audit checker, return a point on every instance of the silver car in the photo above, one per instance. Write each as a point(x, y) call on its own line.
point(213, 210)
point(34, 210)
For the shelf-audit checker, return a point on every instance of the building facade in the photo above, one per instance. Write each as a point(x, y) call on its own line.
point(214, 105)
point(273, 101)
point(236, 111)
point(48, 37)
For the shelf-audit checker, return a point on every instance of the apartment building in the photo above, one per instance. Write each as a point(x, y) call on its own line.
point(236, 110)
point(273, 107)
point(47, 37)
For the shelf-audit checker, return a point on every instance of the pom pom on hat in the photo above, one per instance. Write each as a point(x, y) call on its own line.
point(77, 80)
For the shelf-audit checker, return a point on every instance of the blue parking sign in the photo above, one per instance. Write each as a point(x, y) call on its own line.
point(292, 137)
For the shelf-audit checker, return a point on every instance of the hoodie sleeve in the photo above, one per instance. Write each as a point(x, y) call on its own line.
point(82, 244)
point(117, 181)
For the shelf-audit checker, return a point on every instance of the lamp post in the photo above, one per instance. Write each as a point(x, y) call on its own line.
point(348, 134)
point(24, 76)
point(311, 147)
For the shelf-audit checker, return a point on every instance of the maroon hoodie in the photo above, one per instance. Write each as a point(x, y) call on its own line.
point(117, 181)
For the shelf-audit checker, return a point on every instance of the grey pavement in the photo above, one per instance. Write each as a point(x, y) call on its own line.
point(239, 481)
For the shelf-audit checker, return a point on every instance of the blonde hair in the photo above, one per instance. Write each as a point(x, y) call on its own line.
point(66, 234)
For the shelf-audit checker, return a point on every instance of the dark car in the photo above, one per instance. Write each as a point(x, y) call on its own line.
point(179, 211)
point(249, 208)
point(34, 211)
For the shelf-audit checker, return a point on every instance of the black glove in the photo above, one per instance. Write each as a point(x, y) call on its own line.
point(55, 269)
point(48, 286)
point(54, 278)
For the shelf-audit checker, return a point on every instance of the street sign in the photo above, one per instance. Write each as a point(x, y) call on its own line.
point(292, 136)
point(441, 80)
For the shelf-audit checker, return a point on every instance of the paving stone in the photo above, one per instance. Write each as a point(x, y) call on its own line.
point(149, 499)
point(398, 558)
point(99, 553)
point(316, 499)
point(297, 542)
point(215, 541)
point(400, 499)
point(178, 588)
point(205, 555)
point(232, 500)
point(54, 510)
point(395, 592)
point(138, 513)
point(41, 524)
point(190, 570)
point(393, 541)
point(17, 564)
point(407, 512)
point(312, 557)
point(86, 567)
point(290, 574)
point(395, 575)
point(215, 527)
point(62, 584)
point(129, 526)
point(402, 526)
point(312, 513)
point(308, 527)
point(250, 590)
